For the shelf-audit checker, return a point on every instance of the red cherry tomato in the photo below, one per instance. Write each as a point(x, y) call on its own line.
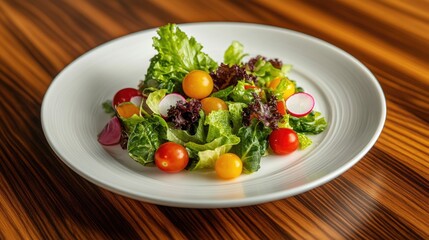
point(125, 95)
point(171, 157)
point(283, 141)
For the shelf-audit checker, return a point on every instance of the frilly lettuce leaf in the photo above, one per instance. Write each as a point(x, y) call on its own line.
point(266, 72)
point(304, 141)
point(177, 55)
point(236, 115)
point(241, 94)
point(313, 123)
point(234, 54)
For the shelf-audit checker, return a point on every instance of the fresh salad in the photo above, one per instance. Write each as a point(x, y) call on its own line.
point(192, 113)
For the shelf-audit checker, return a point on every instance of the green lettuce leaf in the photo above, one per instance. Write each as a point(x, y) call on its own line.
point(313, 123)
point(304, 141)
point(177, 55)
point(108, 108)
point(241, 94)
point(131, 122)
point(236, 115)
point(145, 138)
point(234, 54)
point(266, 72)
point(205, 155)
point(252, 146)
point(284, 123)
point(154, 98)
point(224, 93)
point(218, 124)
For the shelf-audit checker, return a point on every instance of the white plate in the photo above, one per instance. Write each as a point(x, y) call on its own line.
point(345, 91)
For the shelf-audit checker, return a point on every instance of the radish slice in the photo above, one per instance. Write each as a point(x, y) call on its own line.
point(136, 100)
point(168, 101)
point(111, 133)
point(300, 104)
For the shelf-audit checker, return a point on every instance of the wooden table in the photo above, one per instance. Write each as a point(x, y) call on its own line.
point(384, 196)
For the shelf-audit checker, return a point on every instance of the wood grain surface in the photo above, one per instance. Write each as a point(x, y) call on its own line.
point(384, 196)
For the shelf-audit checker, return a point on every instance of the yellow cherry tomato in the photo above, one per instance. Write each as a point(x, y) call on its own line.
point(210, 104)
point(127, 110)
point(197, 84)
point(290, 88)
point(228, 166)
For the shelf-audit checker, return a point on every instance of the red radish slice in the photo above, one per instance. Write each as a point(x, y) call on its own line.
point(111, 133)
point(300, 104)
point(168, 101)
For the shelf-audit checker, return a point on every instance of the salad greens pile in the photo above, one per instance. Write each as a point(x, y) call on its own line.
point(245, 86)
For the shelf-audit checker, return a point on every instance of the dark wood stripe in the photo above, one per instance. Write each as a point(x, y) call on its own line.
point(411, 10)
point(381, 30)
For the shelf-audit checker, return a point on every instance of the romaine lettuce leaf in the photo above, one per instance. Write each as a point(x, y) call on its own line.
point(218, 124)
point(145, 138)
point(252, 146)
point(234, 54)
point(177, 55)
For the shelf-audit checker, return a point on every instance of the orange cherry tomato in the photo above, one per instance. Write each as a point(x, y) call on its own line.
point(210, 104)
point(127, 110)
point(197, 84)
